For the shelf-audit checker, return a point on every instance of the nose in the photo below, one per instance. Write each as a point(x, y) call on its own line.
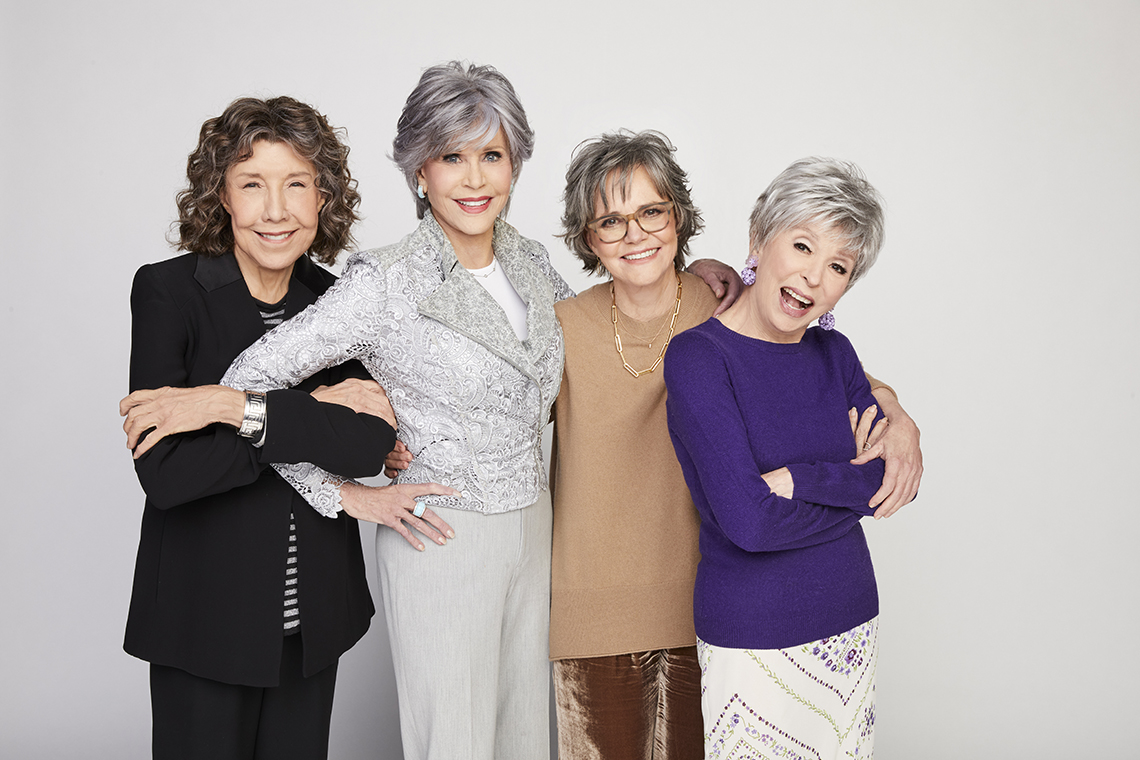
point(276, 208)
point(813, 270)
point(474, 174)
point(633, 231)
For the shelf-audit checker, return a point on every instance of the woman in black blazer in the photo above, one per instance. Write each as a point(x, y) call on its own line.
point(244, 597)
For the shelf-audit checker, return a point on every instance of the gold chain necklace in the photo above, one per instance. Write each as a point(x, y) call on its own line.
point(669, 337)
point(647, 341)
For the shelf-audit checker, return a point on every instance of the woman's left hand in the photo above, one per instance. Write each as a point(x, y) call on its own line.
point(723, 279)
point(780, 482)
point(396, 505)
point(899, 449)
point(166, 411)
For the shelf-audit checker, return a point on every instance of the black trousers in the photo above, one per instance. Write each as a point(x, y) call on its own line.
point(200, 719)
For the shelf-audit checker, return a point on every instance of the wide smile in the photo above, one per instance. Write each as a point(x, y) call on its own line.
point(640, 255)
point(276, 237)
point(474, 205)
point(795, 303)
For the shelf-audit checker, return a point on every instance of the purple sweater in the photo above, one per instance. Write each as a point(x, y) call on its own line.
point(774, 572)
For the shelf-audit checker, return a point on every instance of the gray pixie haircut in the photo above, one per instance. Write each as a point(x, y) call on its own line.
point(618, 155)
point(454, 106)
point(828, 192)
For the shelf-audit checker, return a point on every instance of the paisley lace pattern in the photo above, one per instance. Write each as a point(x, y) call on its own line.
point(470, 398)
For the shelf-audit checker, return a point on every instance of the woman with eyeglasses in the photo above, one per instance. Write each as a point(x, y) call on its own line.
point(625, 551)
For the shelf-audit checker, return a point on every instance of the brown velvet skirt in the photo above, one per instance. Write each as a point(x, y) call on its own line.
point(640, 706)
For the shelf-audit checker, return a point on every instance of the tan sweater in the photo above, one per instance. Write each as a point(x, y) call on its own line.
point(625, 530)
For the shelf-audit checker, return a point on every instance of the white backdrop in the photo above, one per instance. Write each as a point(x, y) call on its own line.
point(1003, 309)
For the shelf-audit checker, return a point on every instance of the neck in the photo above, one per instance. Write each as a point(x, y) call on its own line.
point(474, 254)
point(268, 285)
point(745, 317)
point(644, 302)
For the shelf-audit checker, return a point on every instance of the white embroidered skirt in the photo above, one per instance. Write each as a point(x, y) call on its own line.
point(810, 702)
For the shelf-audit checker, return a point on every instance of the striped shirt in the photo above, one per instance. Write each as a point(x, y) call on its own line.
point(273, 314)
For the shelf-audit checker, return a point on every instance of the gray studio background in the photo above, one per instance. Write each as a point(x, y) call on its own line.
point(1003, 309)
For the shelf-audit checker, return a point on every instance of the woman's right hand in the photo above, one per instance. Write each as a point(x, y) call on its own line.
point(361, 396)
point(393, 506)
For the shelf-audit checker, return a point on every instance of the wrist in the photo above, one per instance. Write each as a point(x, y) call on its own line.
point(253, 416)
point(230, 406)
point(888, 402)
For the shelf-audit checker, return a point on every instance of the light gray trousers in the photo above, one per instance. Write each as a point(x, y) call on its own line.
point(469, 623)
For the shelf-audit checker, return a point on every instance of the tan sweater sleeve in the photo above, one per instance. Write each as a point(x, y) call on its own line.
point(875, 384)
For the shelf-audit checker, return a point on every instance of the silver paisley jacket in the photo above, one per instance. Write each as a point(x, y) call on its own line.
point(470, 398)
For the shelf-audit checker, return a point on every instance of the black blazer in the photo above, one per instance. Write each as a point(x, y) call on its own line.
point(209, 580)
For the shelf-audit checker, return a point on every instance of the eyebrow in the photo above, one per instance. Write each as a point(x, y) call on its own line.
point(291, 175)
point(642, 207)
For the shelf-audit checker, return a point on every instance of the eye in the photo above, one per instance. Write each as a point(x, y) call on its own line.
point(450, 158)
point(608, 223)
point(297, 183)
point(802, 247)
point(839, 268)
point(652, 212)
point(493, 155)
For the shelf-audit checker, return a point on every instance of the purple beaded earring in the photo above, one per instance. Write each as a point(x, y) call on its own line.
point(827, 321)
point(748, 274)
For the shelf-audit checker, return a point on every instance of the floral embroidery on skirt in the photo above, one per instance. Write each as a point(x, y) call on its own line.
point(809, 702)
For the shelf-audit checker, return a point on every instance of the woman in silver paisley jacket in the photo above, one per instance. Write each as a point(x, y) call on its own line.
point(457, 322)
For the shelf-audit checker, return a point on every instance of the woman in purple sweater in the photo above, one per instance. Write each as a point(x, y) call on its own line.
point(761, 411)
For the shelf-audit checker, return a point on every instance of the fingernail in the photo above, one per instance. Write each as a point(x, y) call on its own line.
point(420, 547)
point(451, 534)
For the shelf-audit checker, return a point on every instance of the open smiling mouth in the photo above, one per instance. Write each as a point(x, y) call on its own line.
point(276, 237)
point(474, 205)
point(640, 255)
point(795, 300)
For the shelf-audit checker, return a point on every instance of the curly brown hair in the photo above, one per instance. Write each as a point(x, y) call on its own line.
point(204, 226)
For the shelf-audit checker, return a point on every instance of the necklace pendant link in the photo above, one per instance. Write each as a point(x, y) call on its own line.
point(669, 337)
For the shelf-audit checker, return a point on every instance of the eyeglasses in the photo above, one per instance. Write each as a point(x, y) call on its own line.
point(651, 218)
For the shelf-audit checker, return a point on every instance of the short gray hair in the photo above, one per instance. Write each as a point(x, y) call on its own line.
point(828, 192)
point(620, 154)
point(454, 106)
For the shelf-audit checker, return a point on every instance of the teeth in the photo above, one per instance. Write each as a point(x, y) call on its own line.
point(279, 236)
point(805, 301)
point(474, 204)
point(639, 256)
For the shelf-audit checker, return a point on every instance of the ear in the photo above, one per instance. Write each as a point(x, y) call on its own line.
point(225, 203)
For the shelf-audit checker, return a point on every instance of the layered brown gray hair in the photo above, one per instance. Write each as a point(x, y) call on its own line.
point(610, 161)
point(204, 226)
point(454, 106)
point(827, 192)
